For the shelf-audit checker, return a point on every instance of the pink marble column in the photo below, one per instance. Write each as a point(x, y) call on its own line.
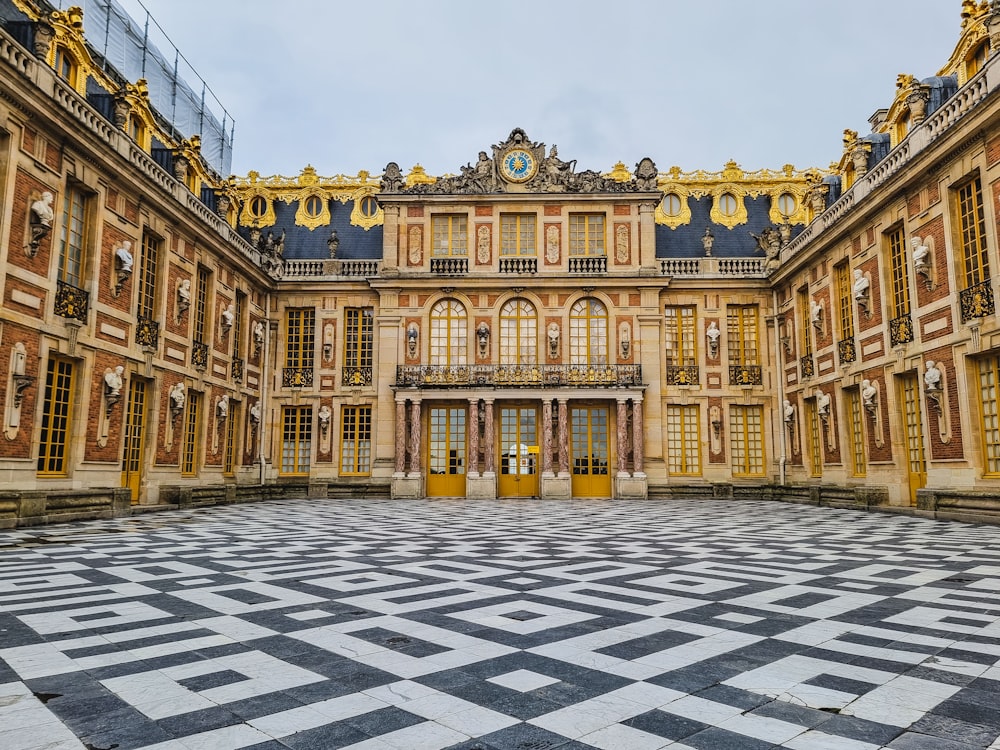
point(638, 438)
point(415, 438)
point(474, 437)
point(401, 436)
point(488, 438)
point(563, 437)
point(547, 437)
point(622, 425)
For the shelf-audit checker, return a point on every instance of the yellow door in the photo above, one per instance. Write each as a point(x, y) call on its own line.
point(135, 418)
point(446, 451)
point(518, 451)
point(913, 429)
point(589, 451)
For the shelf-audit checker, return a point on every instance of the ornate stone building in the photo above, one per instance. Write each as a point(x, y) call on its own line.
point(526, 327)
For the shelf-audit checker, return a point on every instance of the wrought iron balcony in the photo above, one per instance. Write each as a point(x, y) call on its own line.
point(746, 375)
point(237, 370)
point(71, 302)
point(356, 376)
point(147, 332)
point(450, 266)
point(806, 366)
point(296, 377)
point(524, 376)
point(681, 375)
point(586, 264)
point(976, 301)
point(901, 330)
point(846, 350)
point(518, 265)
point(199, 355)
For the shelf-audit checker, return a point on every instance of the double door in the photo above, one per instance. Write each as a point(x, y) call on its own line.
point(518, 452)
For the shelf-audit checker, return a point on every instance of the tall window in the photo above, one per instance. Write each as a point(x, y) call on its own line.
point(201, 304)
point(356, 441)
point(518, 333)
point(805, 323)
point(450, 236)
point(55, 429)
point(815, 438)
point(588, 333)
point(449, 334)
point(746, 437)
point(359, 337)
point(517, 234)
point(149, 266)
point(989, 377)
point(741, 334)
point(66, 66)
point(900, 280)
point(300, 338)
point(189, 448)
point(72, 245)
point(856, 434)
point(683, 441)
point(972, 226)
point(296, 439)
point(229, 454)
point(845, 300)
point(586, 234)
point(238, 313)
point(679, 337)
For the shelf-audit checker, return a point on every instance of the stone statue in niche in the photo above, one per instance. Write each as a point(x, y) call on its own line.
point(39, 221)
point(624, 340)
point(222, 407)
point(645, 175)
point(113, 383)
point(483, 339)
point(332, 243)
point(823, 405)
point(712, 334)
point(862, 288)
point(178, 397)
point(392, 179)
point(412, 334)
point(932, 376)
point(868, 394)
point(707, 240)
point(123, 265)
point(227, 317)
point(921, 263)
point(255, 413)
point(787, 412)
point(552, 335)
point(183, 296)
point(258, 336)
point(816, 314)
point(324, 415)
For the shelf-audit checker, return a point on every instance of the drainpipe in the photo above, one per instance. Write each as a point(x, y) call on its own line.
point(265, 375)
point(781, 391)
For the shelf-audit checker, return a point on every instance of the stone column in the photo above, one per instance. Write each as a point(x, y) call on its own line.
point(547, 437)
point(474, 437)
point(563, 437)
point(488, 438)
point(622, 425)
point(400, 468)
point(390, 233)
point(647, 239)
point(415, 438)
point(638, 439)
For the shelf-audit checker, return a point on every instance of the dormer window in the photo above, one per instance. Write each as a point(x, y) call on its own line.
point(66, 66)
point(786, 204)
point(975, 61)
point(727, 204)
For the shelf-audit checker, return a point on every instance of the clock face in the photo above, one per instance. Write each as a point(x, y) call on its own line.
point(518, 165)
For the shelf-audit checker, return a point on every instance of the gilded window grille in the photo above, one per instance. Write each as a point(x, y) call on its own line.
point(806, 366)
point(71, 302)
point(847, 351)
point(977, 301)
point(901, 330)
point(681, 375)
point(238, 370)
point(199, 355)
point(147, 332)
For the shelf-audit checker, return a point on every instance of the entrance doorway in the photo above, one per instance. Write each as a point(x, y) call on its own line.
point(446, 450)
point(518, 451)
point(135, 424)
point(916, 462)
point(589, 451)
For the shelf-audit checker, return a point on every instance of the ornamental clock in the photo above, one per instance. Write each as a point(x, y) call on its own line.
point(518, 165)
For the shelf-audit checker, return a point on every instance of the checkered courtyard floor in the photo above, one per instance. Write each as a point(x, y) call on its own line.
point(514, 625)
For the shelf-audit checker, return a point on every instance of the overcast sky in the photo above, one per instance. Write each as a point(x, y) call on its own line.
point(353, 85)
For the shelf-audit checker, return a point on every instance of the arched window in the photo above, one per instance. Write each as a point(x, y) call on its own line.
point(449, 334)
point(518, 333)
point(588, 333)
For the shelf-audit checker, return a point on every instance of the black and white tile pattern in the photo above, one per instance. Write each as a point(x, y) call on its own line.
point(501, 625)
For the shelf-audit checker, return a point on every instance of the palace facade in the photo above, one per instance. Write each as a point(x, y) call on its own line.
point(525, 327)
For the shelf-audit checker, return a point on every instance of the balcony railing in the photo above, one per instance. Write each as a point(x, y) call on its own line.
point(746, 375)
point(199, 355)
point(147, 332)
point(356, 376)
point(518, 265)
point(237, 370)
point(585, 264)
point(901, 330)
point(976, 301)
point(71, 302)
point(847, 351)
point(806, 366)
point(450, 266)
point(714, 267)
point(523, 376)
point(296, 377)
point(681, 375)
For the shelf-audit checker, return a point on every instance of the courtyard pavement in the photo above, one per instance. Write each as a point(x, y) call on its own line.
point(501, 625)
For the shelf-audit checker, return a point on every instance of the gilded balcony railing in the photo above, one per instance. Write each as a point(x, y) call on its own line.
point(901, 330)
point(199, 355)
point(296, 377)
point(147, 332)
point(356, 376)
point(746, 375)
point(976, 301)
point(524, 376)
point(71, 302)
point(847, 351)
point(681, 375)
